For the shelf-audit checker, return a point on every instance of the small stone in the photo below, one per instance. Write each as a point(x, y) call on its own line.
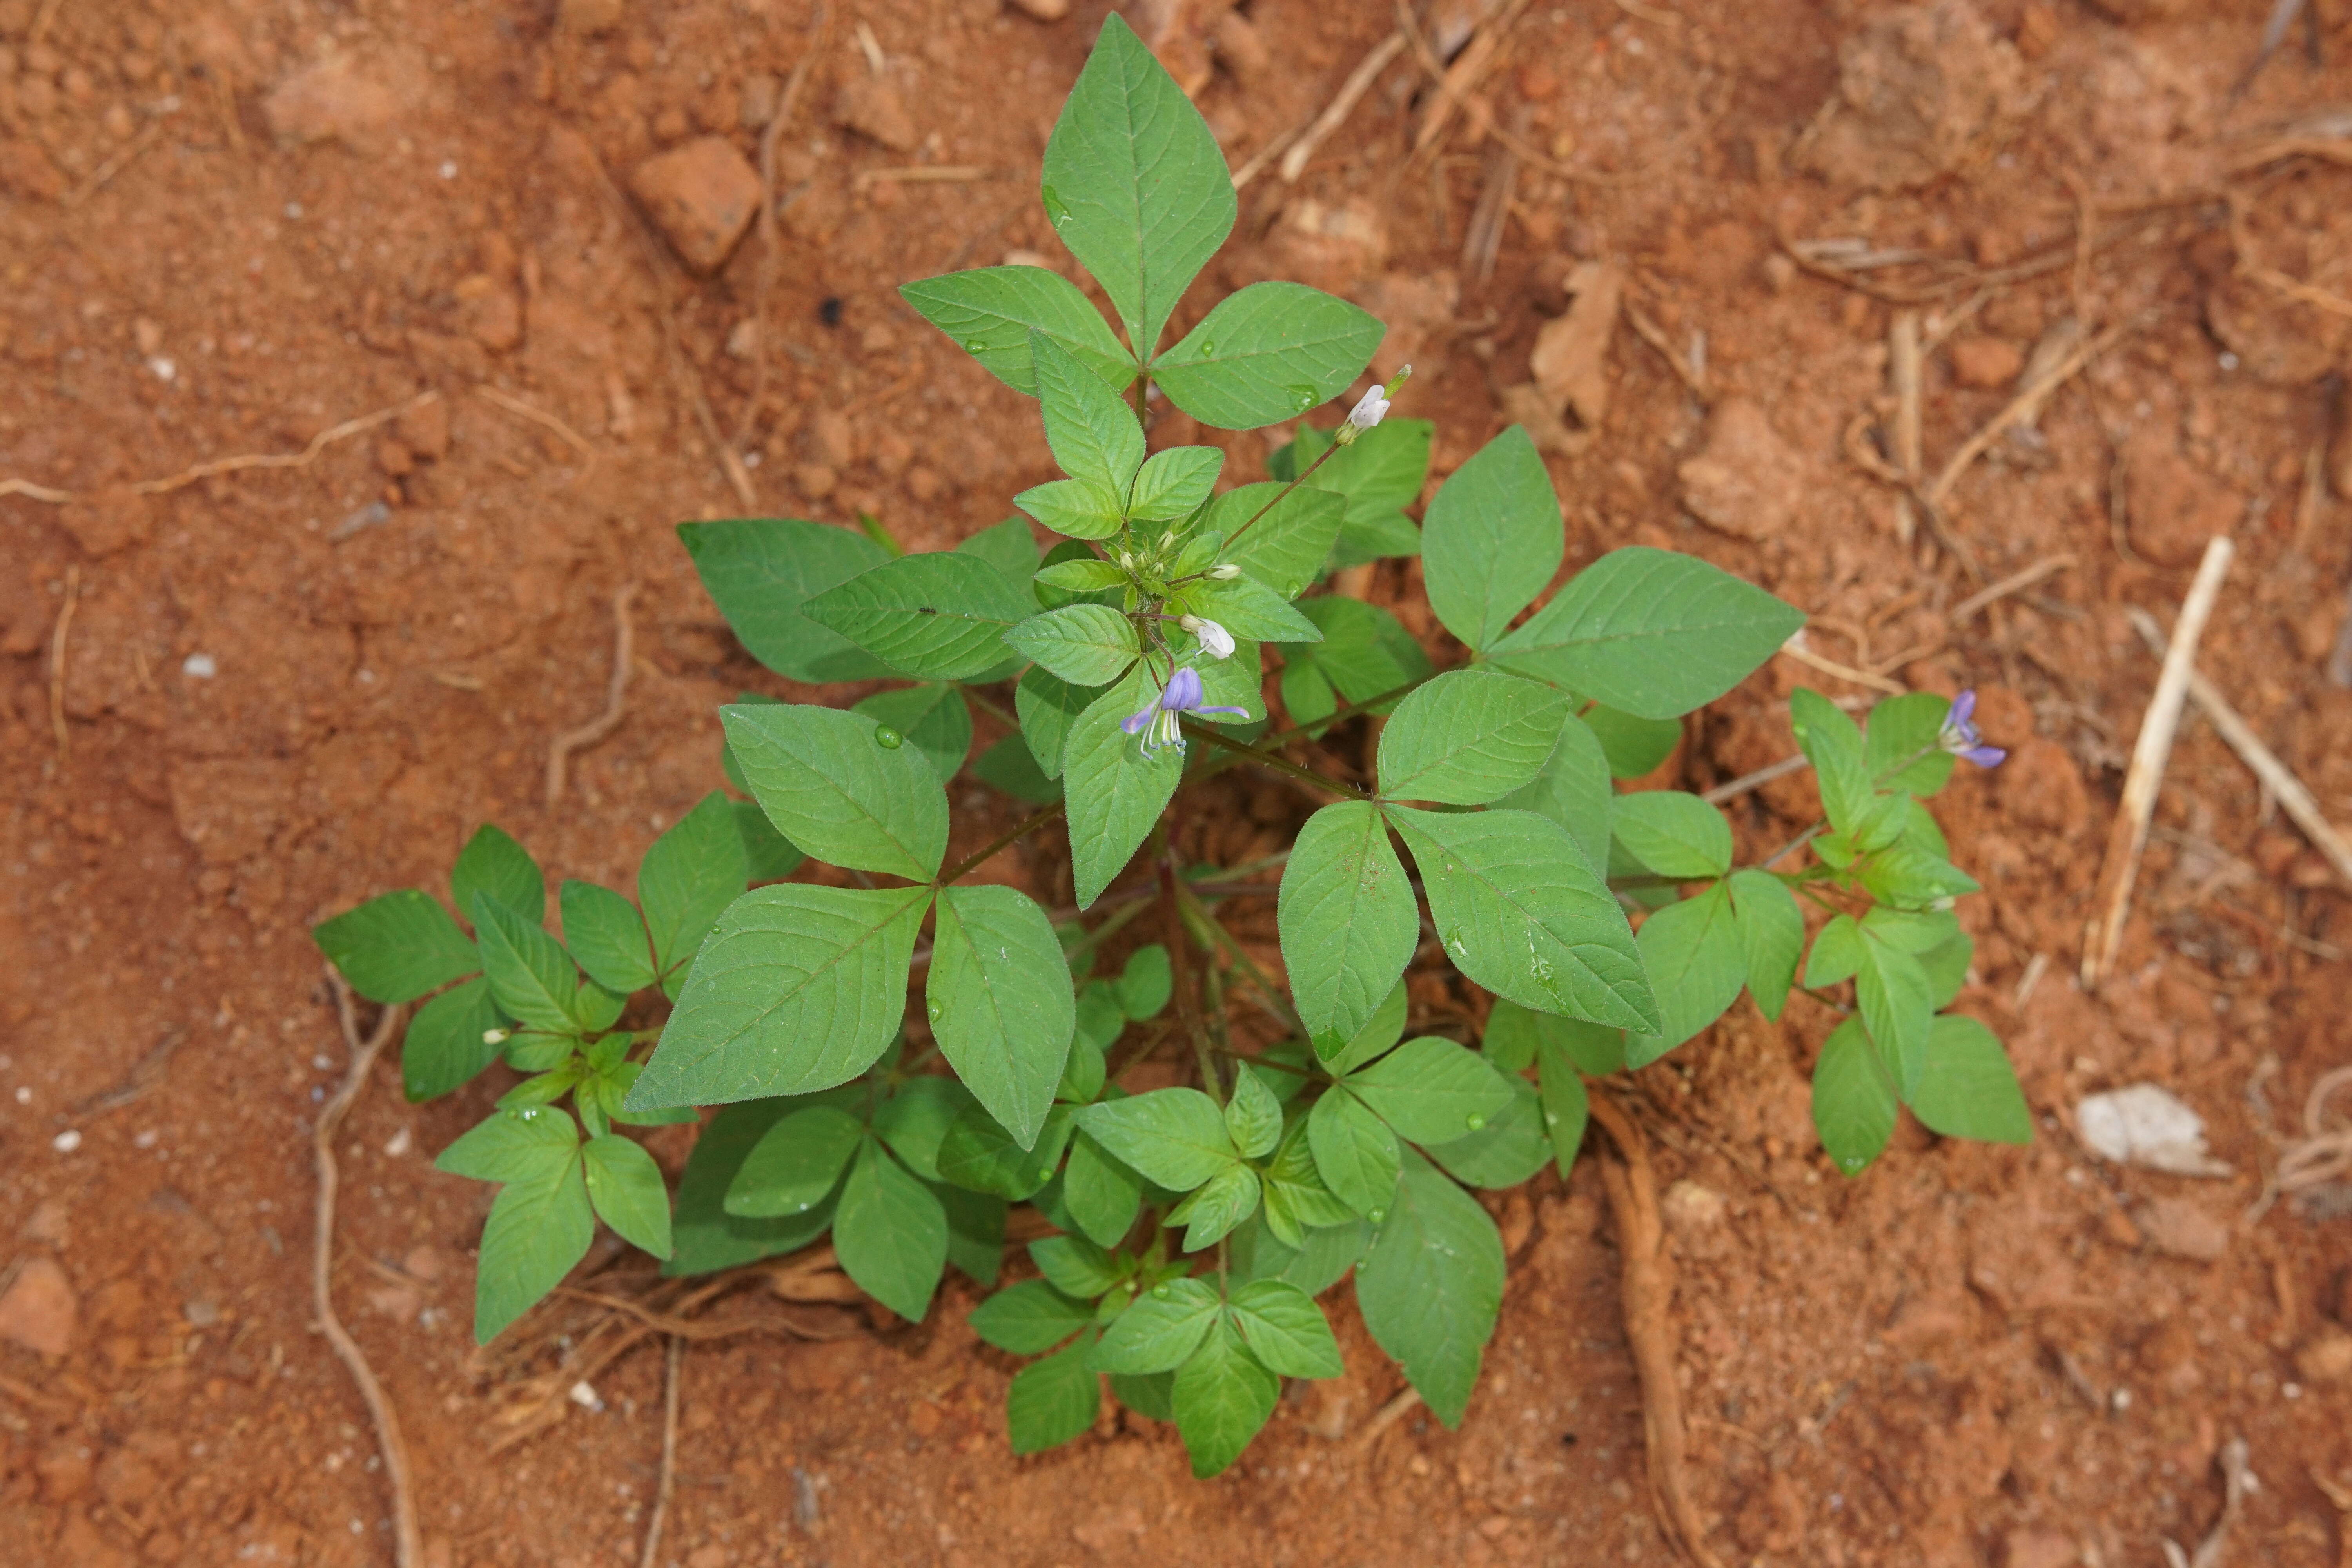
point(744, 339)
point(2038, 1549)
point(923, 484)
point(424, 430)
point(872, 107)
point(1986, 362)
point(1686, 1205)
point(392, 456)
point(814, 481)
point(25, 170)
point(1046, 10)
point(346, 98)
point(702, 196)
point(761, 95)
point(833, 439)
point(2180, 1228)
point(2326, 1357)
point(39, 1311)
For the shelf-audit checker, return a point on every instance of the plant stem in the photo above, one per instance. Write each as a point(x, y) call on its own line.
point(1223, 940)
point(1278, 763)
point(1011, 836)
point(1179, 957)
point(989, 706)
point(1277, 501)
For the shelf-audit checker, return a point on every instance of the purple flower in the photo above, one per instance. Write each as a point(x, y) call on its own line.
point(1959, 736)
point(1159, 723)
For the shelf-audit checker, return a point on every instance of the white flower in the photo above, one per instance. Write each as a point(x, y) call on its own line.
point(1215, 641)
point(1224, 573)
point(1369, 408)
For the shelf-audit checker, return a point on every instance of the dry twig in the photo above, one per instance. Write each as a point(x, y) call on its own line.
point(1343, 103)
point(1462, 77)
point(1803, 654)
point(408, 1551)
point(58, 661)
point(1648, 1301)
point(1757, 780)
point(2289, 790)
point(1387, 1416)
point(669, 1481)
point(114, 166)
point(2025, 407)
point(2016, 582)
point(765, 281)
point(2238, 1483)
point(2128, 837)
point(616, 695)
point(544, 420)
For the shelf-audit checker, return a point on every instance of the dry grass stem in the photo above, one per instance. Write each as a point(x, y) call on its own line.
point(1805, 656)
point(546, 421)
point(2015, 583)
point(1903, 363)
point(669, 1481)
point(2111, 903)
point(186, 477)
point(764, 281)
point(121, 160)
point(1649, 332)
point(616, 694)
point(1648, 1295)
point(1745, 783)
point(408, 1551)
point(2022, 408)
point(1389, 1416)
point(2288, 790)
point(1343, 103)
point(58, 662)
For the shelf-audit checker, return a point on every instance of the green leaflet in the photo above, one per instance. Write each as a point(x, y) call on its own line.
point(1511, 1147)
point(1468, 737)
point(1432, 1286)
point(1028, 1318)
point(1134, 184)
point(831, 786)
point(1516, 1036)
point(940, 616)
point(1566, 1105)
point(1268, 353)
point(493, 863)
point(1696, 965)
point(688, 875)
point(1048, 706)
point(1347, 919)
point(1854, 1100)
point(796, 1164)
point(606, 935)
point(1522, 913)
point(1634, 747)
point(1102, 1194)
point(1837, 953)
point(1093, 433)
point(1967, 1088)
point(1378, 477)
point(1673, 834)
point(444, 1049)
point(1364, 653)
point(932, 718)
point(1078, 572)
point(1380, 1032)
point(396, 948)
point(1286, 1330)
point(1161, 1331)
point(1000, 1003)
point(1252, 1116)
point(1224, 1396)
point(1009, 765)
point(1771, 936)
point(1355, 1152)
point(761, 572)
point(1251, 611)
point(1146, 983)
point(1172, 483)
point(890, 1232)
point(1079, 508)
point(1115, 792)
point(1174, 1137)
point(511, 1146)
point(540, 1226)
point(799, 988)
point(1286, 547)
point(1572, 789)
point(980, 1155)
point(1320, 1261)
point(1009, 546)
point(1901, 749)
point(626, 1187)
point(1835, 746)
point(1432, 1090)
point(1220, 1204)
point(1896, 1000)
point(1052, 1401)
point(704, 1237)
point(1084, 645)
point(990, 311)
point(1492, 539)
point(914, 1119)
point(531, 977)
point(1649, 632)
point(770, 856)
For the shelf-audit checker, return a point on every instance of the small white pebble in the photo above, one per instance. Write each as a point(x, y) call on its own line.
point(449, 169)
point(367, 678)
point(585, 1398)
point(750, 459)
point(67, 1142)
point(24, 1095)
point(2228, 362)
point(199, 666)
point(320, 1062)
point(293, 209)
point(399, 1143)
point(146, 1140)
point(164, 369)
point(2292, 1390)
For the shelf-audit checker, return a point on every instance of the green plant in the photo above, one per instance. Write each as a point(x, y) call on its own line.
point(1196, 1224)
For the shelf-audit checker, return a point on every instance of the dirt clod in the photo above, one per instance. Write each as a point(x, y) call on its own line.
point(702, 197)
point(872, 107)
point(1921, 88)
point(2183, 1227)
point(1986, 362)
point(2173, 508)
point(349, 99)
point(39, 1311)
point(1747, 480)
point(2326, 1358)
point(108, 521)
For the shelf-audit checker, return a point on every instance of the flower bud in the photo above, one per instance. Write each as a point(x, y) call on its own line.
point(494, 1036)
point(1226, 572)
point(1168, 539)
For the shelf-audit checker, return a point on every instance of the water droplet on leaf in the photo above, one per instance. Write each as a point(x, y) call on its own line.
point(1476, 1121)
point(974, 346)
point(1376, 1215)
point(1054, 210)
point(1160, 1291)
point(886, 738)
point(1302, 398)
point(1208, 347)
